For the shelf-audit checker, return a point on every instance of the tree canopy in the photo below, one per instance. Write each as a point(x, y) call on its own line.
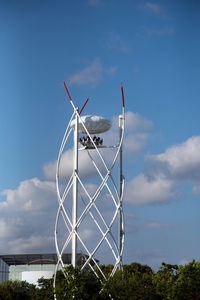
point(134, 282)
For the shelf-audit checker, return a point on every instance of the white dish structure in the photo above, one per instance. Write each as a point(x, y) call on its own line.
point(79, 207)
point(94, 124)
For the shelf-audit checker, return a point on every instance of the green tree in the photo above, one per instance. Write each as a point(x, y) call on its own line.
point(133, 283)
point(77, 285)
point(17, 290)
point(188, 285)
point(45, 290)
point(165, 281)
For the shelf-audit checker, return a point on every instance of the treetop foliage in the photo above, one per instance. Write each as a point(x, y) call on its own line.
point(134, 282)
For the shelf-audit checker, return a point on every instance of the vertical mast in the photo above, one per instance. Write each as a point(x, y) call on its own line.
point(120, 231)
point(75, 193)
point(121, 179)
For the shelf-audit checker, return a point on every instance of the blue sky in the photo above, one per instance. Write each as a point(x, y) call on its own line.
point(153, 48)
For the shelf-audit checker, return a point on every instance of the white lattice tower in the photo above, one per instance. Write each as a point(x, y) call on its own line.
point(72, 222)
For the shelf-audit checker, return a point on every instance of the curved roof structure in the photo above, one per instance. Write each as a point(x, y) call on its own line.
point(40, 259)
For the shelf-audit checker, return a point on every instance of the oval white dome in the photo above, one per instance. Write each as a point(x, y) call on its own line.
point(94, 124)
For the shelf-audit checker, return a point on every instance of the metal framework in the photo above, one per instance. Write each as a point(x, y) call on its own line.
point(73, 216)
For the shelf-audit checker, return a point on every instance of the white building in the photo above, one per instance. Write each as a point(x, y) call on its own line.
point(31, 267)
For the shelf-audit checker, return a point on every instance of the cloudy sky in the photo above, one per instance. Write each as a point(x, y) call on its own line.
point(153, 48)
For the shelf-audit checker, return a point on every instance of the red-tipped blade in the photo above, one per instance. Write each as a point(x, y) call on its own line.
point(67, 92)
point(83, 106)
point(122, 95)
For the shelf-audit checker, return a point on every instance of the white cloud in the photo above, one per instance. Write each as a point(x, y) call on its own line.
point(86, 167)
point(169, 30)
point(196, 189)
point(135, 122)
point(157, 225)
point(31, 195)
point(163, 172)
point(142, 190)
point(34, 243)
point(135, 132)
point(153, 8)
point(135, 143)
point(111, 70)
point(130, 215)
point(178, 164)
point(180, 161)
point(116, 42)
point(8, 229)
point(183, 262)
point(27, 218)
point(92, 74)
point(88, 234)
point(28, 213)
